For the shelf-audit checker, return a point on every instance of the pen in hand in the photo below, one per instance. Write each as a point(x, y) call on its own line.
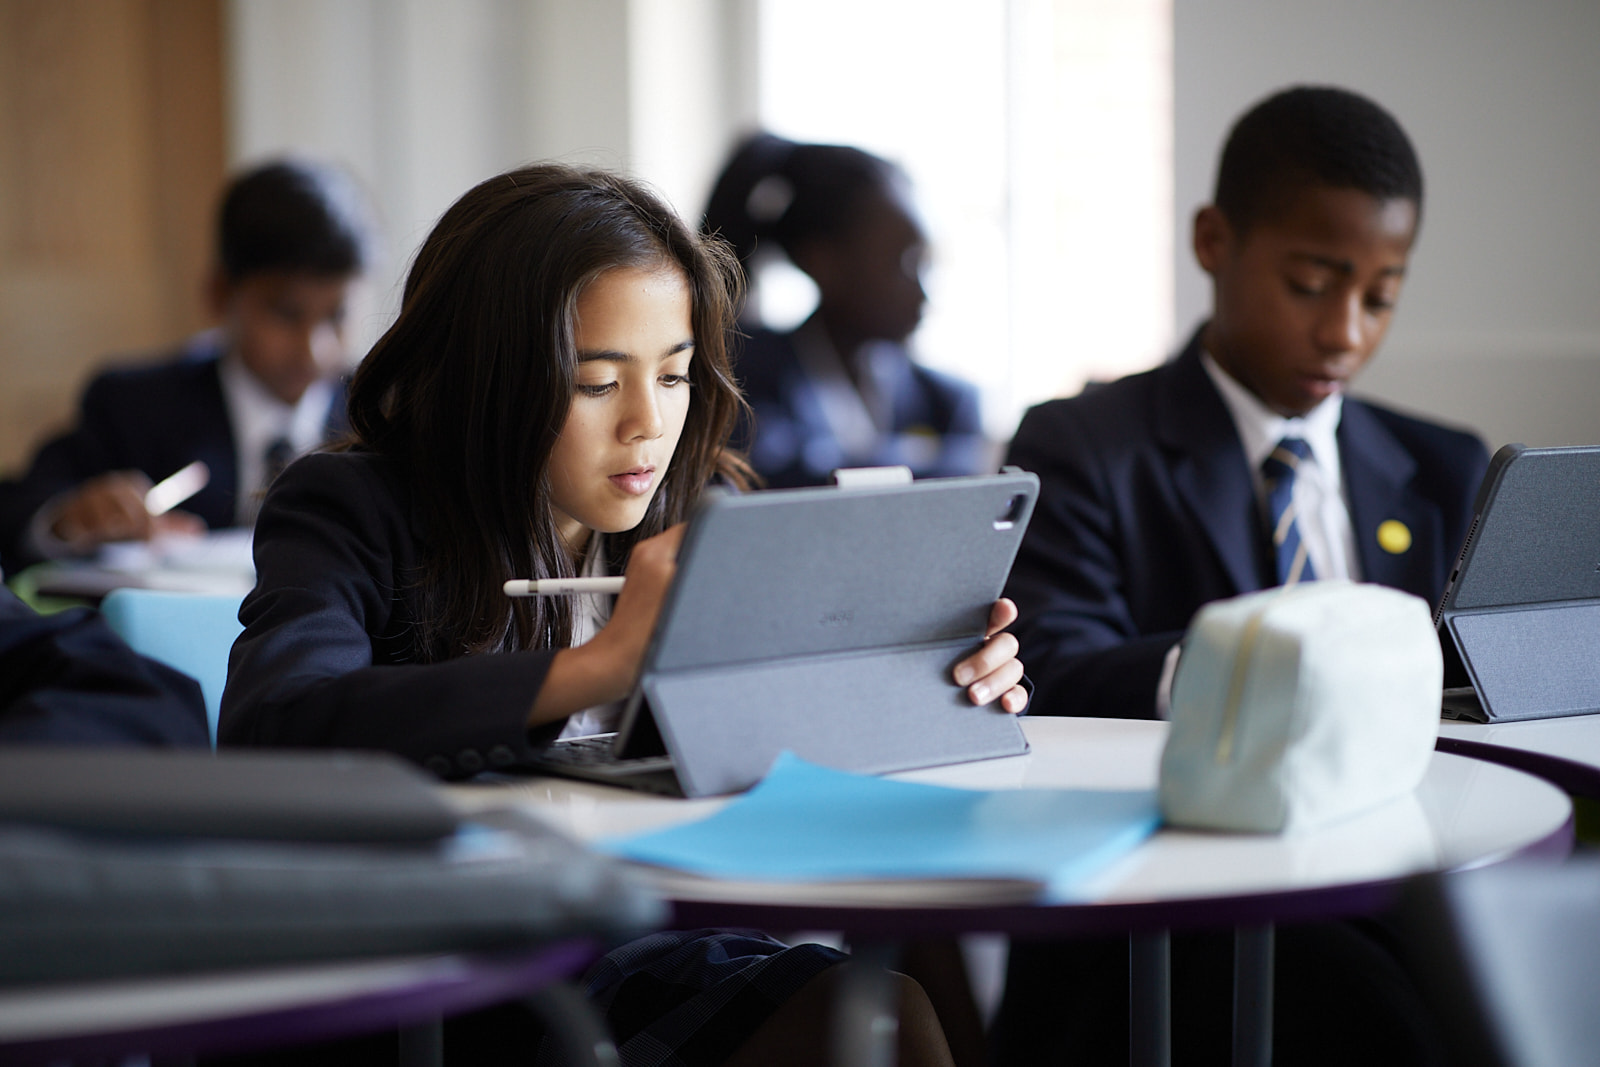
point(561, 586)
point(174, 489)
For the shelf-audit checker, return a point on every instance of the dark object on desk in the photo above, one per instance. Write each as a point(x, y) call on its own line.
point(1509, 957)
point(822, 621)
point(348, 797)
point(1520, 619)
point(77, 906)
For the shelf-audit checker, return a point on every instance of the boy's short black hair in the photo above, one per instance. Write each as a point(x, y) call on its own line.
point(293, 216)
point(1313, 135)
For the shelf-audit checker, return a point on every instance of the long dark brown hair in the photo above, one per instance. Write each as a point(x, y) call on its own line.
point(468, 391)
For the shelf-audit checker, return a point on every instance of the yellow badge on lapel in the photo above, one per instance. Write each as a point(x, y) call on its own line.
point(1394, 536)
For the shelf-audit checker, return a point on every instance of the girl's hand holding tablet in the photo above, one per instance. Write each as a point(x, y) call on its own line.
point(606, 668)
point(993, 672)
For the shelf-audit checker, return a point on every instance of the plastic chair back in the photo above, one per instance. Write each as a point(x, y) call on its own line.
point(190, 632)
point(1509, 957)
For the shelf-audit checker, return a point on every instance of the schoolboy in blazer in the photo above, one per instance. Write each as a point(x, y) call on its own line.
point(1147, 511)
point(1148, 507)
point(292, 237)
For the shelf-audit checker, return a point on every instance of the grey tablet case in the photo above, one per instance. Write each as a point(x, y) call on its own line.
point(826, 621)
point(1519, 622)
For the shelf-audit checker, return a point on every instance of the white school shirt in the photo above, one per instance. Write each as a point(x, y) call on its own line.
point(590, 612)
point(1320, 499)
point(1321, 506)
point(259, 418)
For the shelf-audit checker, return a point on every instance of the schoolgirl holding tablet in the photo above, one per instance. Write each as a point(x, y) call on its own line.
point(551, 400)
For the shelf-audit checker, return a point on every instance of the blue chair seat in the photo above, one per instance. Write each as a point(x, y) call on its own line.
point(190, 632)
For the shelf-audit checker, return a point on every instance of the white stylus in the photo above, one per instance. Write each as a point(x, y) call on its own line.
point(561, 586)
point(174, 489)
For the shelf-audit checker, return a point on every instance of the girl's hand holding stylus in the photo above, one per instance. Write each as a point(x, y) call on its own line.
point(992, 672)
point(605, 668)
point(624, 639)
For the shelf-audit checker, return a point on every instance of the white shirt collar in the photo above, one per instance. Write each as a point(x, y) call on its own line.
point(257, 414)
point(1260, 428)
point(258, 418)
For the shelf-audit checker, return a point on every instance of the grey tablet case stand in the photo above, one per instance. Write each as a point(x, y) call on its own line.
point(1520, 619)
point(826, 621)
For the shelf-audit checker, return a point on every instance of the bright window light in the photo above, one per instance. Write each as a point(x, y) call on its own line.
point(1038, 137)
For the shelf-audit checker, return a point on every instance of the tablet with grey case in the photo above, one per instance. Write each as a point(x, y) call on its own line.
point(1519, 622)
point(823, 621)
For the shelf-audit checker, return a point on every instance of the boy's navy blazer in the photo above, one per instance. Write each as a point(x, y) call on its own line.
point(153, 418)
point(1147, 510)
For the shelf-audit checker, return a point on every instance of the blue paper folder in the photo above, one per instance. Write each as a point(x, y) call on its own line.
point(805, 823)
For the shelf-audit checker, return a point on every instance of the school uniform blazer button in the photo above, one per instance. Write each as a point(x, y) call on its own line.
point(438, 765)
point(502, 756)
point(469, 761)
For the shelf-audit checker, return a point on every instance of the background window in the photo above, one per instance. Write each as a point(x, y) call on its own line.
point(1038, 135)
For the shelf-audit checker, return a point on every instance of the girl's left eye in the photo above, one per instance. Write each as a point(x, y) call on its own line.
point(674, 379)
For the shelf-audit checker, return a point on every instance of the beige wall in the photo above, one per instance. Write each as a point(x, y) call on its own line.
point(425, 98)
point(110, 155)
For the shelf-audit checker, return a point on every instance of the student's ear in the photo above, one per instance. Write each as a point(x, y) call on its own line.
point(1213, 238)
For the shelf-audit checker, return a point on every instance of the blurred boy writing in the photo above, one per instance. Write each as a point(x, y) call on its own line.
point(245, 398)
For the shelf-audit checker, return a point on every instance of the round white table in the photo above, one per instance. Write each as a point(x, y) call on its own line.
point(1466, 812)
point(1563, 750)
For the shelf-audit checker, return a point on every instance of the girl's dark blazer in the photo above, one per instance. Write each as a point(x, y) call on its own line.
point(793, 443)
point(1147, 511)
point(153, 418)
point(328, 659)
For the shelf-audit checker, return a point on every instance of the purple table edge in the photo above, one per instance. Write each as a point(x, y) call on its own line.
point(491, 978)
point(1579, 779)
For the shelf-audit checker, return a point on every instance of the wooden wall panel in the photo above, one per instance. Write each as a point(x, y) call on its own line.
point(111, 153)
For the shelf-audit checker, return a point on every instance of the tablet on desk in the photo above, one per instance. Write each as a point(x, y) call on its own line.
point(822, 621)
point(1519, 621)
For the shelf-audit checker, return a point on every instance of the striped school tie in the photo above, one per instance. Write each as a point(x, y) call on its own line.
point(1278, 469)
point(277, 456)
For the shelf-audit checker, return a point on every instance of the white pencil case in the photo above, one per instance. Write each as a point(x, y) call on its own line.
point(1294, 707)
